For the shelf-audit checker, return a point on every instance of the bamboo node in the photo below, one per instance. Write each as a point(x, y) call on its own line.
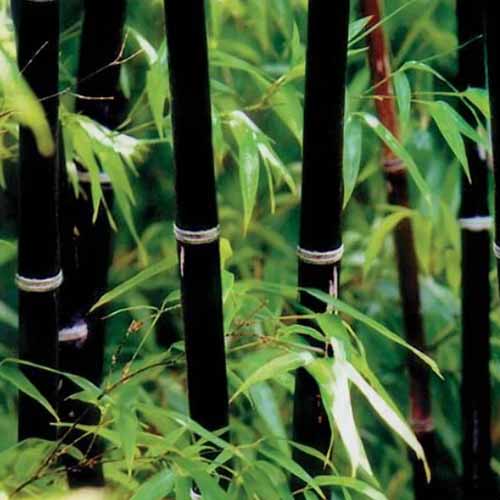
point(195, 496)
point(37, 285)
point(202, 237)
point(77, 332)
point(422, 426)
point(320, 258)
point(84, 176)
point(496, 250)
point(394, 166)
point(476, 224)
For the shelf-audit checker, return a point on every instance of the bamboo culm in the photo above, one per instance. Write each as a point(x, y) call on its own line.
point(196, 216)
point(407, 264)
point(322, 198)
point(489, 488)
point(86, 244)
point(37, 25)
point(476, 251)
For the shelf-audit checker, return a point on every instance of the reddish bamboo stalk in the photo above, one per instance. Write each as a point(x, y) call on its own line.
point(397, 194)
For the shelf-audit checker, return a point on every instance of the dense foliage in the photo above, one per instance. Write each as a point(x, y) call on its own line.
point(257, 51)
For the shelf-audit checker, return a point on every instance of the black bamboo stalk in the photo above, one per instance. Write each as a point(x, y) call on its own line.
point(197, 226)
point(320, 243)
point(39, 271)
point(474, 218)
point(479, 481)
point(397, 193)
point(87, 243)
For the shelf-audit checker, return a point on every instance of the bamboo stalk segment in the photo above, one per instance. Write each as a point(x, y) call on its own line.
point(476, 250)
point(197, 226)
point(320, 243)
point(86, 243)
point(407, 264)
point(479, 480)
point(39, 270)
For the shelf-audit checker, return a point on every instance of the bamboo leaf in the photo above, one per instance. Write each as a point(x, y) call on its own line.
point(375, 325)
point(156, 487)
point(271, 159)
point(480, 99)
point(291, 466)
point(8, 316)
point(249, 173)
point(352, 156)
point(464, 127)
point(334, 385)
point(24, 105)
point(275, 367)
point(399, 150)
point(379, 234)
point(352, 484)
point(420, 66)
point(287, 105)
point(451, 133)
point(127, 426)
point(13, 375)
point(268, 409)
point(210, 490)
point(403, 97)
point(145, 275)
point(357, 26)
point(83, 148)
point(387, 414)
point(157, 88)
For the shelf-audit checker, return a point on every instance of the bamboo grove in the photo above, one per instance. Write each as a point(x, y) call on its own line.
point(68, 193)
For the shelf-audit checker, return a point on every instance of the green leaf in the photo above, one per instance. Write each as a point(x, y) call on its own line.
point(127, 426)
point(398, 149)
point(379, 234)
point(147, 49)
point(291, 466)
point(157, 88)
point(332, 326)
point(249, 173)
point(275, 367)
point(403, 97)
point(334, 385)
point(8, 315)
point(375, 325)
point(156, 487)
point(221, 59)
point(268, 409)
point(16, 377)
point(448, 127)
point(287, 105)
point(352, 484)
point(464, 127)
point(480, 98)
point(83, 148)
point(420, 66)
point(148, 273)
point(352, 156)
point(392, 419)
point(25, 107)
point(356, 27)
point(271, 159)
point(210, 490)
